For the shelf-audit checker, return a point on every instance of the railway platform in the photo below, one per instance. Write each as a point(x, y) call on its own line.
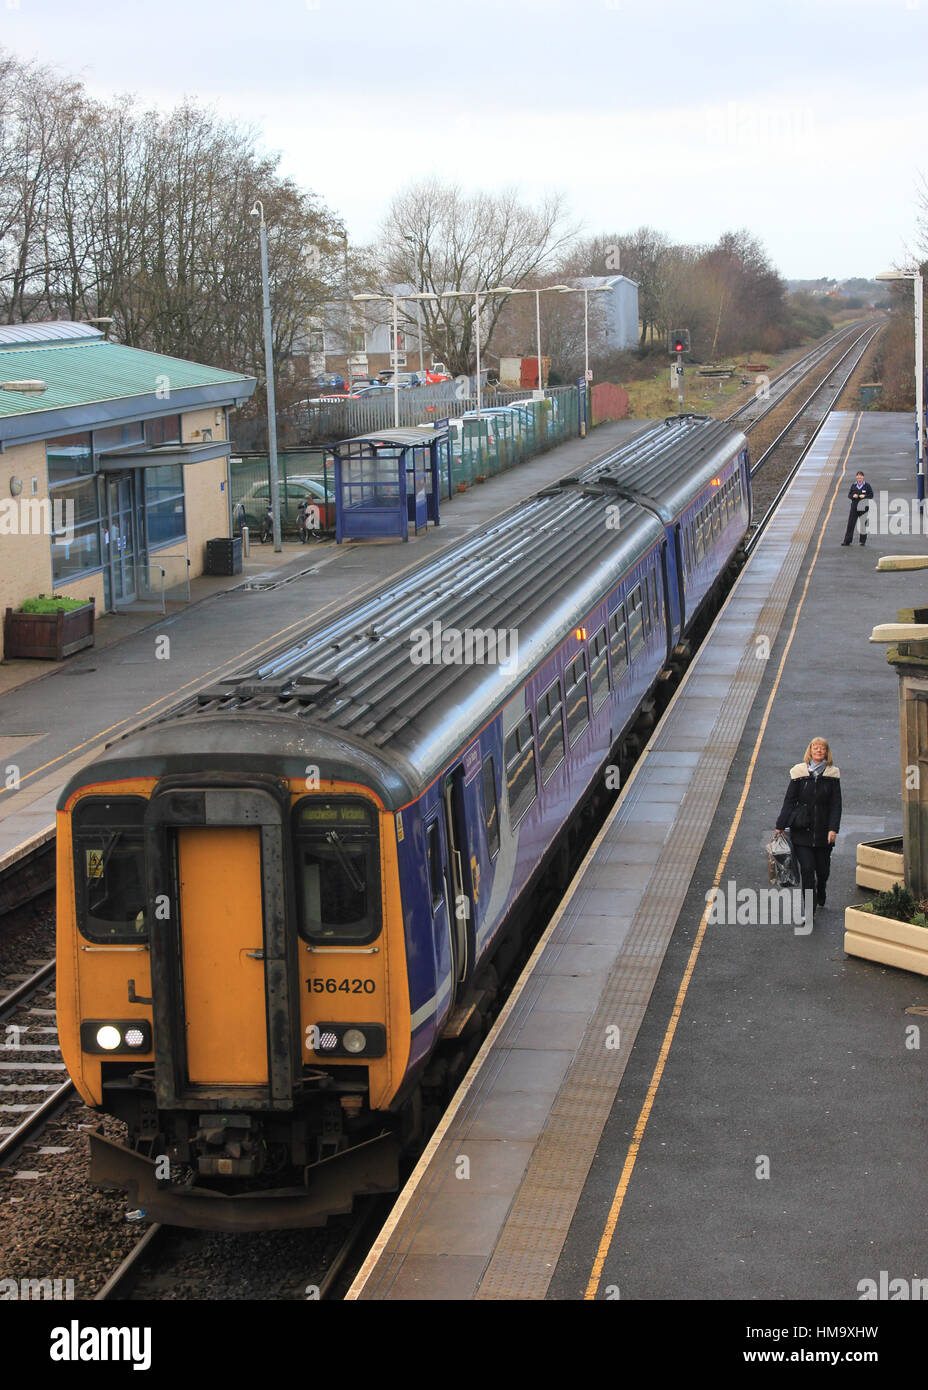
point(687, 1103)
point(54, 721)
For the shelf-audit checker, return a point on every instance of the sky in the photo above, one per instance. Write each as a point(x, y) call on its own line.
point(802, 120)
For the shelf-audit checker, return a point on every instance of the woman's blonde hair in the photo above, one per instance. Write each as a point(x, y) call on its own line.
point(807, 755)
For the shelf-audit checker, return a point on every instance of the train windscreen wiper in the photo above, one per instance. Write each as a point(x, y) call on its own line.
point(348, 868)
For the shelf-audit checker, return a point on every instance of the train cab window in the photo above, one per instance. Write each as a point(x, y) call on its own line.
point(436, 877)
point(635, 625)
point(337, 870)
point(617, 648)
point(109, 868)
point(550, 709)
point(578, 702)
point(490, 808)
point(599, 668)
point(521, 782)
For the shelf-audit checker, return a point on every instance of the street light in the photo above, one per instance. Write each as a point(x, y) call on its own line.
point(394, 356)
point(544, 289)
point(916, 277)
point(585, 291)
point(417, 296)
point(258, 211)
point(466, 294)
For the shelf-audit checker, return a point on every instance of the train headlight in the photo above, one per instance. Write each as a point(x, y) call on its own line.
point(367, 1040)
point(112, 1035)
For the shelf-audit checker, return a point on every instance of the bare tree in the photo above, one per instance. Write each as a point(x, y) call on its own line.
point(438, 239)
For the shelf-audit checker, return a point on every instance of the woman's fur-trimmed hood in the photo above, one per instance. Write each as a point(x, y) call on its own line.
point(801, 770)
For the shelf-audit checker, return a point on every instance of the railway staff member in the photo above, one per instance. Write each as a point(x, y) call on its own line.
point(812, 812)
point(861, 492)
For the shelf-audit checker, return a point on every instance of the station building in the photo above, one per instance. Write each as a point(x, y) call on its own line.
point(112, 460)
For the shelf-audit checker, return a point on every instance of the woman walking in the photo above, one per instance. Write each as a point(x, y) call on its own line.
point(812, 813)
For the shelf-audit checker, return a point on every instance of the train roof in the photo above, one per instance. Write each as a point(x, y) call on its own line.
point(536, 571)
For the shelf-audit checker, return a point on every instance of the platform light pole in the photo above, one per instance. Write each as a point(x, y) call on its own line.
point(585, 290)
point(394, 356)
point(258, 211)
point(476, 295)
point(916, 277)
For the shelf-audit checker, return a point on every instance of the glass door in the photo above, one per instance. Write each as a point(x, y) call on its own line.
point(122, 539)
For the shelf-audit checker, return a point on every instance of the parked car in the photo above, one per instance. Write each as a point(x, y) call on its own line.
point(292, 492)
point(380, 390)
point(330, 380)
point(405, 378)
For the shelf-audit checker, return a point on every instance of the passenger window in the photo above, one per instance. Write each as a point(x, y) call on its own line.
point(490, 809)
point(599, 668)
point(617, 647)
point(578, 704)
point(436, 877)
point(109, 869)
point(337, 870)
point(635, 625)
point(521, 781)
point(550, 730)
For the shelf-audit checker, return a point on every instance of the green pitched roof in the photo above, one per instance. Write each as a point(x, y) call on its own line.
point(80, 374)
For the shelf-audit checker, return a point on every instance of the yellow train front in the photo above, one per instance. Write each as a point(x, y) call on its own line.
point(242, 1055)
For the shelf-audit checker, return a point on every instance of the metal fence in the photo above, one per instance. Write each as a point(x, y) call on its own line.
point(511, 428)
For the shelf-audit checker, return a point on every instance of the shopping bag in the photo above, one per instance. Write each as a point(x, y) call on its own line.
point(782, 868)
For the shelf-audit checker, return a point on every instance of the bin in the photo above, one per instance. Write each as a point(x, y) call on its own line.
point(224, 555)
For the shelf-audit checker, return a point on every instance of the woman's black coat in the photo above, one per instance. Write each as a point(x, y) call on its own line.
point(822, 795)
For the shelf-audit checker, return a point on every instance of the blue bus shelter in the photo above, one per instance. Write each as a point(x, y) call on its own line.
point(386, 482)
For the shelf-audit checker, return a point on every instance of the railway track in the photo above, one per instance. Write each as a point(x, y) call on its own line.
point(31, 1092)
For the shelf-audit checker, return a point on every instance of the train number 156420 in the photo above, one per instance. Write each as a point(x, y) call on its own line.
point(331, 986)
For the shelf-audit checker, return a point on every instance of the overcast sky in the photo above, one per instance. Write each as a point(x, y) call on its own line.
point(803, 120)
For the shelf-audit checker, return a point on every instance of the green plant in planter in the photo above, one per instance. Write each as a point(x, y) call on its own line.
point(42, 604)
point(897, 903)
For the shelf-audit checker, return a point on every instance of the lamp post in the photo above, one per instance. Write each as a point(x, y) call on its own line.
point(394, 300)
point(585, 291)
point(466, 294)
point(916, 277)
point(417, 296)
point(258, 211)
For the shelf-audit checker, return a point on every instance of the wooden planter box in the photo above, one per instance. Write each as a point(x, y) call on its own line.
point(48, 636)
point(885, 940)
point(880, 864)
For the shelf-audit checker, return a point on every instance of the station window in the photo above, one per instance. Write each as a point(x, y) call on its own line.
point(599, 668)
point(163, 430)
point(109, 869)
point(76, 547)
point(521, 782)
point(337, 869)
point(118, 437)
point(578, 703)
point(68, 456)
point(490, 808)
point(635, 625)
point(436, 877)
point(550, 729)
point(164, 500)
point(617, 648)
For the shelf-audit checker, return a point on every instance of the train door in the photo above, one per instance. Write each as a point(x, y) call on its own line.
point(440, 895)
point(462, 896)
point(222, 946)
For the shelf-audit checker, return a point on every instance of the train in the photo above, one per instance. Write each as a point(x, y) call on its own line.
point(284, 908)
